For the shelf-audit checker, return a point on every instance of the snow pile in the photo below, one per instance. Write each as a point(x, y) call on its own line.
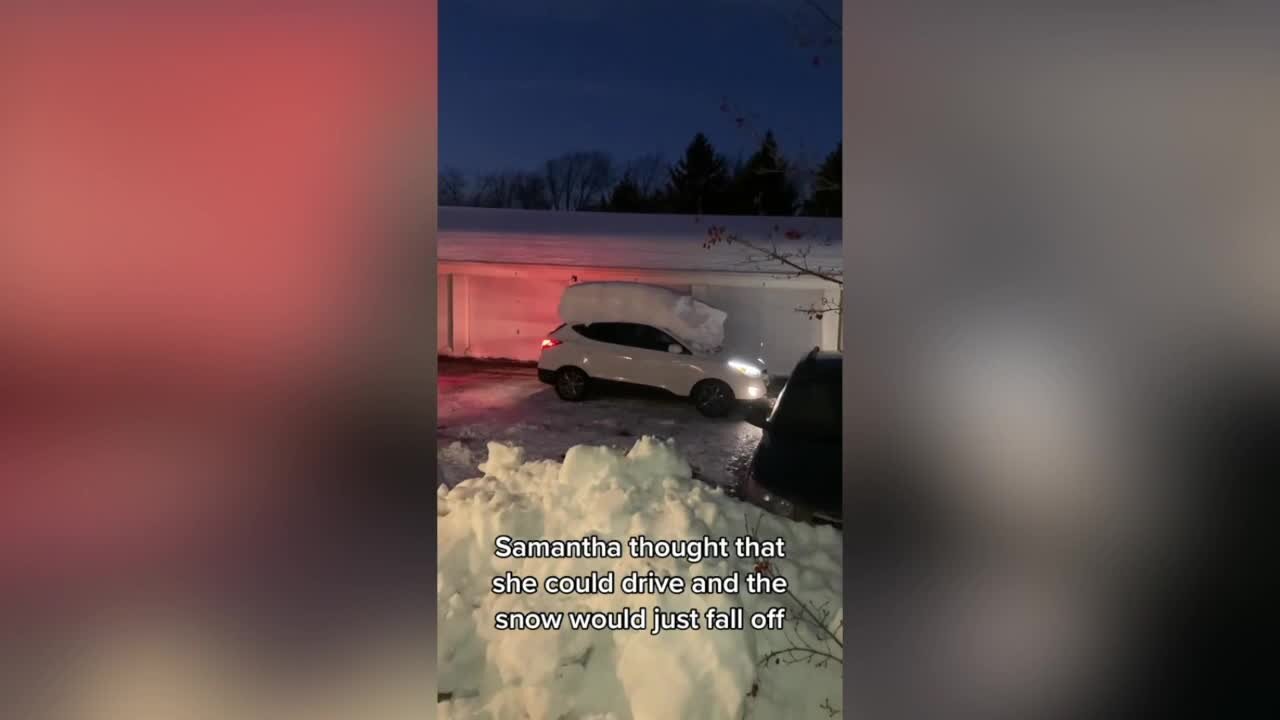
point(454, 463)
point(625, 674)
point(692, 321)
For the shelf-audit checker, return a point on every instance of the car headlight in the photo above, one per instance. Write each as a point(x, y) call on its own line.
point(746, 368)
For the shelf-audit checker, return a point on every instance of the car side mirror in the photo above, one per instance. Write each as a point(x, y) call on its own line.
point(675, 348)
point(758, 415)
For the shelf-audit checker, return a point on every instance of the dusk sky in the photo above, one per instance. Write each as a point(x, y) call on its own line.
point(524, 80)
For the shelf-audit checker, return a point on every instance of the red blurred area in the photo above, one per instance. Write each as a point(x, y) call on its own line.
point(193, 240)
point(191, 194)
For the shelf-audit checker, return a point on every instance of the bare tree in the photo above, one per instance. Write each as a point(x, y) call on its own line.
point(453, 187)
point(648, 172)
point(493, 191)
point(785, 253)
point(597, 180)
point(576, 180)
point(531, 192)
point(512, 189)
point(560, 174)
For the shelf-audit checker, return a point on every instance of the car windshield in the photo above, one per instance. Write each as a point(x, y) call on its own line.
point(810, 404)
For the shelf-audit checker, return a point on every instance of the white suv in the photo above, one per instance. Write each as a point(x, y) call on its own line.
point(574, 356)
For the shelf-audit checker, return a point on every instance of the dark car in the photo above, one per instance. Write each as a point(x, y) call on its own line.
point(796, 470)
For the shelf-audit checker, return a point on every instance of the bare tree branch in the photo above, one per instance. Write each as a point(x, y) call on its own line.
point(822, 12)
point(575, 180)
point(795, 260)
point(804, 654)
point(511, 189)
point(825, 648)
point(804, 174)
point(647, 172)
point(815, 311)
point(807, 611)
point(453, 185)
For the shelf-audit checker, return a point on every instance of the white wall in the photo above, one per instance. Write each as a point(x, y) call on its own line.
point(494, 311)
point(443, 316)
point(766, 315)
point(509, 317)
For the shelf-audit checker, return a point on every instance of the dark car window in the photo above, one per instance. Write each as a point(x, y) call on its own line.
point(612, 333)
point(628, 334)
point(810, 403)
point(651, 338)
point(633, 335)
point(600, 332)
point(665, 342)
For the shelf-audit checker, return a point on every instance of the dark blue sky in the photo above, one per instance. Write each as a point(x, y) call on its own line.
point(524, 80)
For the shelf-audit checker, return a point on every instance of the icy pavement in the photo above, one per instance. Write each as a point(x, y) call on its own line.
point(479, 402)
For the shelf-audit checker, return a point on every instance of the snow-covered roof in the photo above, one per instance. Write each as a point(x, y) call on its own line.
point(632, 241)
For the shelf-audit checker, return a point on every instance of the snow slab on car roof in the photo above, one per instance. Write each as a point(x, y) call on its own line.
point(692, 321)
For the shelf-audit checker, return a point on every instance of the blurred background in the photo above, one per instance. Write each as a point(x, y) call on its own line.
point(216, 248)
point(1066, 281)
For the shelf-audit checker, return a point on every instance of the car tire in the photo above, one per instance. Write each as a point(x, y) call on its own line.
point(712, 398)
point(571, 384)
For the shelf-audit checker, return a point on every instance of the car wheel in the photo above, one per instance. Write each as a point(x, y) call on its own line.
point(713, 398)
point(571, 384)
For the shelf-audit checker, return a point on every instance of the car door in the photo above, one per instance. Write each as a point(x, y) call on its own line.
point(670, 371)
point(632, 355)
point(605, 355)
point(624, 352)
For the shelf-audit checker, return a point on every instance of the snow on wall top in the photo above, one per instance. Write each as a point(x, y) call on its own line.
point(630, 241)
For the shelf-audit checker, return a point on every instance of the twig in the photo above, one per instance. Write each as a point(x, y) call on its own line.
point(804, 607)
point(717, 234)
point(825, 15)
point(809, 651)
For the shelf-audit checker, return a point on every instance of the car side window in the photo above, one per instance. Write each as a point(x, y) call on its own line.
point(636, 336)
point(600, 332)
point(663, 341)
point(651, 338)
point(628, 334)
point(614, 333)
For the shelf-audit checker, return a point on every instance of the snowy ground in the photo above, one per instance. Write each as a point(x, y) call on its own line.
point(627, 673)
point(480, 401)
point(520, 462)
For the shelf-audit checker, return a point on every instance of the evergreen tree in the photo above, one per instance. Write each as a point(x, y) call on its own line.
point(698, 183)
point(660, 201)
point(825, 199)
point(763, 186)
point(626, 197)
